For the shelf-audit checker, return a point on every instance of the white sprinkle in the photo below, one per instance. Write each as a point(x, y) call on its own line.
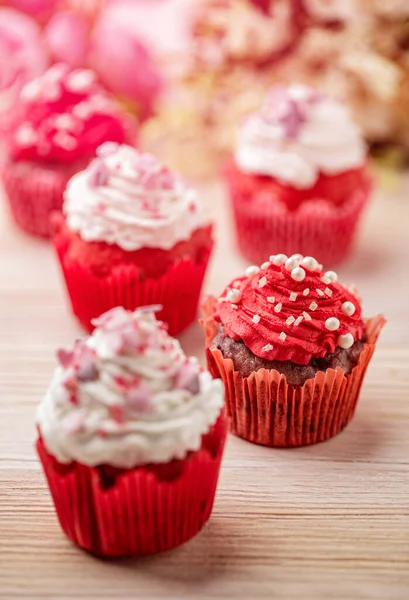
point(52, 91)
point(298, 274)
point(290, 320)
point(65, 121)
point(267, 347)
point(348, 308)
point(332, 276)
point(332, 324)
point(256, 318)
point(234, 306)
point(298, 321)
point(306, 316)
point(319, 292)
point(26, 136)
point(252, 271)
point(278, 259)
point(325, 279)
point(293, 296)
point(262, 282)
point(278, 307)
point(31, 91)
point(291, 263)
point(233, 296)
point(308, 262)
point(345, 341)
point(271, 299)
point(328, 292)
point(65, 141)
point(313, 306)
point(81, 80)
point(83, 110)
point(282, 336)
point(265, 265)
point(306, 292)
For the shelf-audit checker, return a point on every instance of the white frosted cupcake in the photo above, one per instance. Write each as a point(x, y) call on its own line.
point(132, 234)
point(131, 436)
point(299, 178)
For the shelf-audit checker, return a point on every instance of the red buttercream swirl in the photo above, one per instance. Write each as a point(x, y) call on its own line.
point(278, 319)
point(63, 117)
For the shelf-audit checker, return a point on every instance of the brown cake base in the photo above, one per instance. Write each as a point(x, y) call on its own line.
point(246, 362)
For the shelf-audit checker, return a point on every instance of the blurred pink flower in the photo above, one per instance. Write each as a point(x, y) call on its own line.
point(67, 35)
point(124, 62)
point(34, 7)
point(23, 55)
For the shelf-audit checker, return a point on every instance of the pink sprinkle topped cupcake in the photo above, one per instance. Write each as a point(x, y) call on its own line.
point(299, 179)
point(131, 437)
point(59, 121)
point(132, 234)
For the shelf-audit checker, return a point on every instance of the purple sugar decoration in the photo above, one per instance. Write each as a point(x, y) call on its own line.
point(98, 173)
point(139, 398)
point(293, 118)
point(188, 379)
point(87, 371)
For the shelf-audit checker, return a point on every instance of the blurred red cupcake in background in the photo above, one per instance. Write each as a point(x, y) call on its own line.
point(132, 234)
point(57, 124)
point(299, 179)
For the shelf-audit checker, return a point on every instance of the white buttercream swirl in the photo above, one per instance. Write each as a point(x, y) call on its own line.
point(327, 141)
point(125, 212)
point(89, 431)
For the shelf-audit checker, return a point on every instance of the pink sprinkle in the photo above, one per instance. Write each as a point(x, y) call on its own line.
point(139, 398)
point(192, 207)
point(107, 149)
point(98, 173)
point(117, 413)
point(65, 141)
point(65, 357)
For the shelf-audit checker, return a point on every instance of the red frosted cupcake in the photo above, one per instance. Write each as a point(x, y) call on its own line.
point(132, 234)
point(299, 179)
point(131, 436)
point(59, 121)
point(292, 348)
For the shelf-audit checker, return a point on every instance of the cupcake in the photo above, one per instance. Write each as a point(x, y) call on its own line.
point(132, 234)
point(299, 179)
point(292, 348)
point(131, 436)
point(59, 121)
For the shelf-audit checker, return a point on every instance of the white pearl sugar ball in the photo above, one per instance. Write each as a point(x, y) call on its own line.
point(346, 341)
point(332, 323)
point(278, 259)
point(309, 263)
point(233, 296)
point(332, 276)
point(298, 274)
point(252, 271)
point(348, 308)
point(291, 263)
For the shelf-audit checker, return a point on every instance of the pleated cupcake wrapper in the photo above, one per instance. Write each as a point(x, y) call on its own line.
point(327, 235)
point(140, 514)
point(34, 192)
point(265, 409)
point(178, 290)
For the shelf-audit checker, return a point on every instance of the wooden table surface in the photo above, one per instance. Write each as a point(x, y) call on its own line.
point(324, 522)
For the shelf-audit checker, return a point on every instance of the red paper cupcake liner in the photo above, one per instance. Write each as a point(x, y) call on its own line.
point(316, 229)
point(34, 192)
point(177, 290)
point(140, 513)
point(265, 409)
